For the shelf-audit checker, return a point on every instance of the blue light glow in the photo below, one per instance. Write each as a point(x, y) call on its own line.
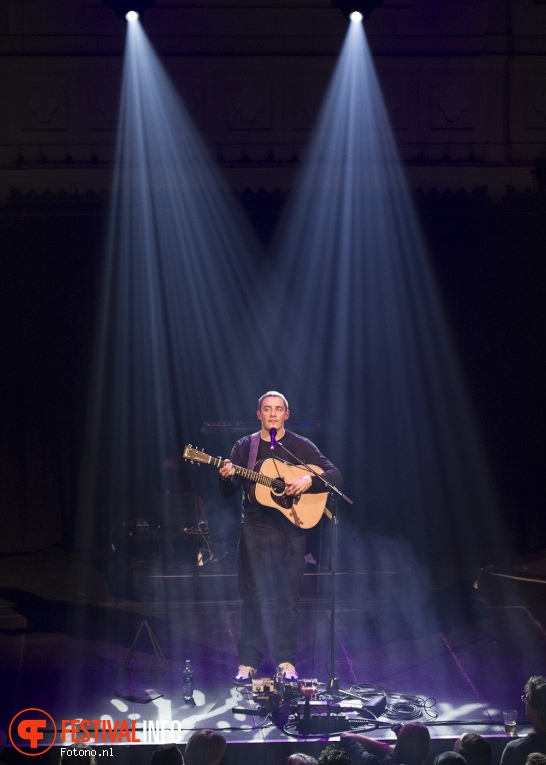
point(175, 308)
point(344, 318)
point(370, 347)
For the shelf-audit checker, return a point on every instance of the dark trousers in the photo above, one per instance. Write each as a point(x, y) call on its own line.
point(271, 565)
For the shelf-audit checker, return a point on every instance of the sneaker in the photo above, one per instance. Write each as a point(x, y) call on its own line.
point(289, 671)
point(244, 674)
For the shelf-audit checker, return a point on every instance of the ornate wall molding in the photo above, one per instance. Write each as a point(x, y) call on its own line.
point(464, 94)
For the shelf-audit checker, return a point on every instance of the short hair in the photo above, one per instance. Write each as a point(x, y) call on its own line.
point(536, 758)
point(449, 758)
point(413, 743)
point(273, 393)
point(205, 747)
point(535, 696)
point(167, 754)
point(300, 758)
point(474, 748)
point(332, 755)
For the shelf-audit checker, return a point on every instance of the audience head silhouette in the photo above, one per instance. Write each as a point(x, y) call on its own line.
point(535, 702)
point(205, 747)
point(332, 755)
point(167, 754)
point(474, 748)
point(413, 744)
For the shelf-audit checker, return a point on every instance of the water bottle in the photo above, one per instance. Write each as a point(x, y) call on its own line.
point(279, 682)
point(187, 681)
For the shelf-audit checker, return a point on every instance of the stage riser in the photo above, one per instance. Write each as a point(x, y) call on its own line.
point(519, 583)
point(501, 591)
point(371, 586)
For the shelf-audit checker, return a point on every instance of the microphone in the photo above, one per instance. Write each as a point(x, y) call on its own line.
point(273, 433)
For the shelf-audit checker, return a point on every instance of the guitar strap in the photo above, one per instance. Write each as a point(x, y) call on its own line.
point(253, 453)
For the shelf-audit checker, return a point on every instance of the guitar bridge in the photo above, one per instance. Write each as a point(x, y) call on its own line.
point(282, 500)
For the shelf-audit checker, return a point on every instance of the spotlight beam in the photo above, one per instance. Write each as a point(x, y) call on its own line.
point(382, 367)
point(177, 301)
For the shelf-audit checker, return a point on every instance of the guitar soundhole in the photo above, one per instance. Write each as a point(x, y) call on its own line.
point(277, 484)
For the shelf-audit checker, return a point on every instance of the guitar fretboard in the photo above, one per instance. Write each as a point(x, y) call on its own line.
point(250, 475)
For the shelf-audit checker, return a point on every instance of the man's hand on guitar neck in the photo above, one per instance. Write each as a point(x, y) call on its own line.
point(227, 470)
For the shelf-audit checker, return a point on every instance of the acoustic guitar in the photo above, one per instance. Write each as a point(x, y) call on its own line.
point(270, 479)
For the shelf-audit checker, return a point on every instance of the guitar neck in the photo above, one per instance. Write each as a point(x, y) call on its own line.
point(250, 475)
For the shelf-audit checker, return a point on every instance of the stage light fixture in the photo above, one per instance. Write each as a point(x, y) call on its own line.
point(123, 8)
point(350, 7)
point(356, 16)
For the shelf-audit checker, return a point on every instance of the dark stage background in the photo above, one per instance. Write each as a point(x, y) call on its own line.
point(490, 264)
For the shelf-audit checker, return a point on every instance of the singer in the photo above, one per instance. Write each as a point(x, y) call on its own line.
point(271, 548)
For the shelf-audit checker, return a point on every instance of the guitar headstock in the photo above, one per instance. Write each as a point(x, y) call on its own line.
point(195, 455)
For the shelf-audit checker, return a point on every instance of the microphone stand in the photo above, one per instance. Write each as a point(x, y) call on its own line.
point(333, 683)
point(330, 486)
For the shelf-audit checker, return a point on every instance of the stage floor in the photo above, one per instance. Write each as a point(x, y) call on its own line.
point(66, 647)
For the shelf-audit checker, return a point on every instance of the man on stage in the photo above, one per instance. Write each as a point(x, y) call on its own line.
point(270, 544)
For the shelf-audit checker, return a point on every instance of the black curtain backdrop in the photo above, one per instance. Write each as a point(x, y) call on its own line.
point(490, 262)
point(49, 265)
